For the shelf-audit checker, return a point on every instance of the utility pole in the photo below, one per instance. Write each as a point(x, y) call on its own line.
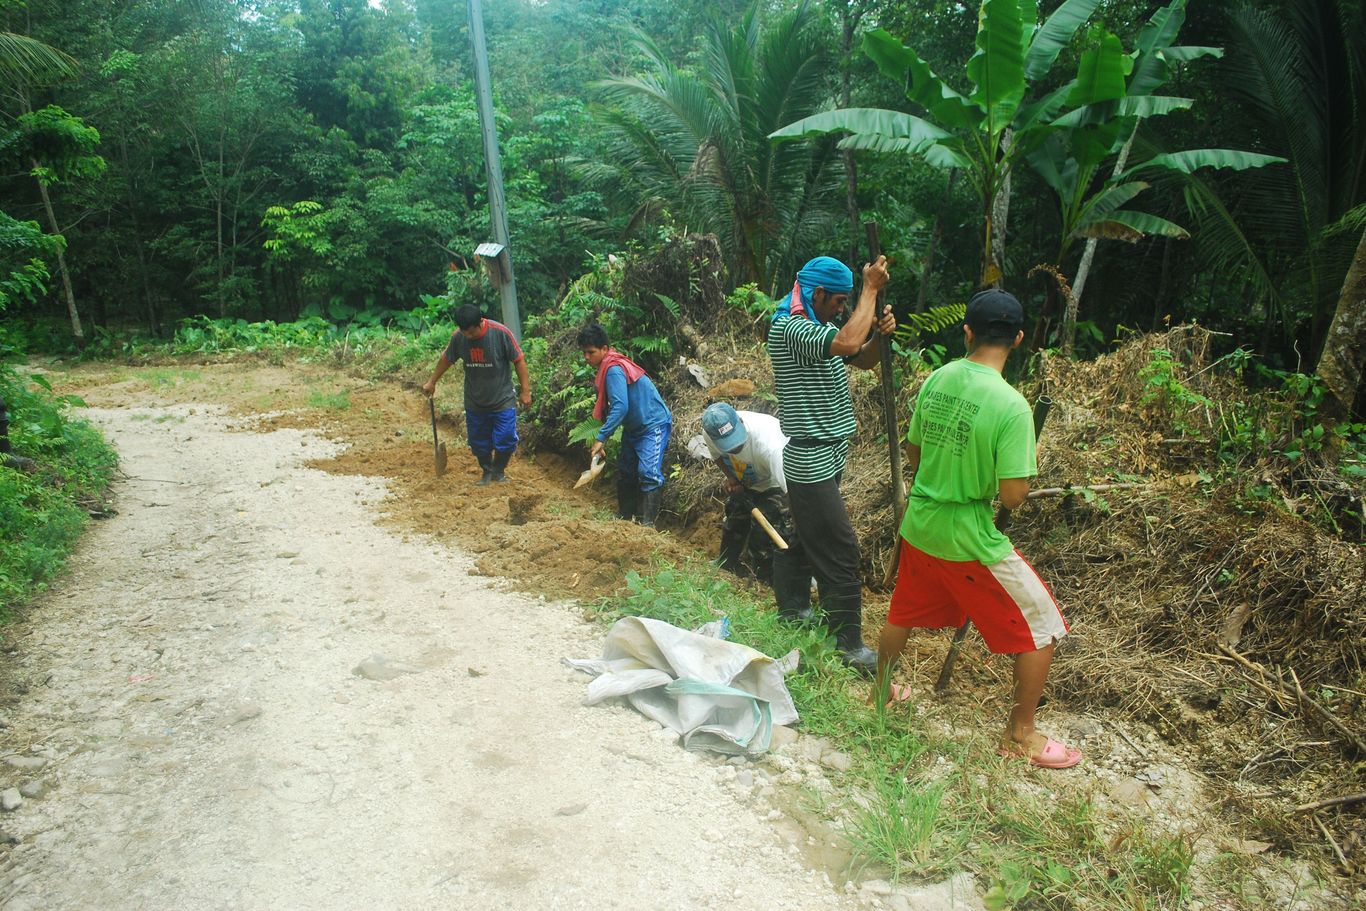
point(498, 214)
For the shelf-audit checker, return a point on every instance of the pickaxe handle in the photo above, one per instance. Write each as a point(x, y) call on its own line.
point(772, 532)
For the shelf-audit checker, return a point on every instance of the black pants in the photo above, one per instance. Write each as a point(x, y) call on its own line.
point(822, 522)
point(740, 533)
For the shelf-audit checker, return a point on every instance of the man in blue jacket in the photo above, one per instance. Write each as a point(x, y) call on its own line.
point(627, 398)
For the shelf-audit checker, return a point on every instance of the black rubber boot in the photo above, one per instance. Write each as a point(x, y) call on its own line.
point(792, 588)
point(486, 463)
point(845, 613)
point(499, 465)
point(734, 533)
point(650, 502)
point(628, 498)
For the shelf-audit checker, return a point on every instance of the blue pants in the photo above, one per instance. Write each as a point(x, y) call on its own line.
point(642, 457)
point(491, 431)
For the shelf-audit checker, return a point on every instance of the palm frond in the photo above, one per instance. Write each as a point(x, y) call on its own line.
point(24, 61)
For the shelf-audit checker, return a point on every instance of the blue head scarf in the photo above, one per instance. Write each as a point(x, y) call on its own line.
point(822, 272)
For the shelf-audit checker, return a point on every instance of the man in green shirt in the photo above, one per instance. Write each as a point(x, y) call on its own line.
point(971, 438)
point(810, 358)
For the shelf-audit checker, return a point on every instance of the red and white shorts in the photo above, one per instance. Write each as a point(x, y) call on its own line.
point(1006, 601)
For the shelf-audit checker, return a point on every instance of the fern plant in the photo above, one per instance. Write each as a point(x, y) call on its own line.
point(917, 325)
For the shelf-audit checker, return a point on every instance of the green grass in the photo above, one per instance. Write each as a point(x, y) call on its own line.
point(42, 513)
point(331, 401)
point(168, 376)
point(931, 806)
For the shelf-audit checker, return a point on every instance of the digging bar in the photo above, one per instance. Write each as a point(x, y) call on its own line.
point(889, 413)
point(1041, 408)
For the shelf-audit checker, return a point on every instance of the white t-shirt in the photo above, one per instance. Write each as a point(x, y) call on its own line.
point(759, 463)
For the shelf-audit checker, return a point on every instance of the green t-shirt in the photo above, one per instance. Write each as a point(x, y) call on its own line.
point(973, 429)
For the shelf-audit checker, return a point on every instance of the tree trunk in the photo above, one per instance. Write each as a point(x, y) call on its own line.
point(76, 329)
point(1344, 348)
point(994, 244)
point(1069, 319)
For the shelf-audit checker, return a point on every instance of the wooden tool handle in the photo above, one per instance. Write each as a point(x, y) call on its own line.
point(769, 529)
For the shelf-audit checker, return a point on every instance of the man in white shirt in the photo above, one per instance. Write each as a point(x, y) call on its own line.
point(748, 448)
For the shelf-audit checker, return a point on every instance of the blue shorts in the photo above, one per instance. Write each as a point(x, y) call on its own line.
point(492, 431)
point(642, 456)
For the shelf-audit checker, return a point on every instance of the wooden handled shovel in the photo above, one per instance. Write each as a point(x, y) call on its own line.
point(438, 447)
point(1041, 406)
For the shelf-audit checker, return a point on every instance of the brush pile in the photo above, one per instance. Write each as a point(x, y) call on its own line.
point(1223, 601)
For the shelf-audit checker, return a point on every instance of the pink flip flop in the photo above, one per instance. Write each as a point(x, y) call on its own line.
point(1053, 756)
point(898, 692)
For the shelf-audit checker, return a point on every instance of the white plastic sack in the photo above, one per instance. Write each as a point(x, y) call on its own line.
point(717, 695)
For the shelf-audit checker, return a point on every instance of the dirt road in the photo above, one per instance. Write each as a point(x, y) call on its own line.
point(201, 728)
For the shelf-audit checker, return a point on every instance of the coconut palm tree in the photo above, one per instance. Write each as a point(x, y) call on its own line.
point(24, 61)
point(695, 143)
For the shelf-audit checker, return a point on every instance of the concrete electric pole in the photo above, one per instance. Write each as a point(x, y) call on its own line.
point(501, 267)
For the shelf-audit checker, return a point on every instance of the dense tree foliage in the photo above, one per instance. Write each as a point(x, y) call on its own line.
point(267, 159)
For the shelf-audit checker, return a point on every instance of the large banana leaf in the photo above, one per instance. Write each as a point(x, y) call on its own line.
point(1106, 202)
point(997, 67)
point(1093, 144)
point(1055, 34)
point(924, 88)
point(1100, 75)
point(1042, 111)
point(1143, 106)
point(864, 121)
point(937, 154)
point(1133, 227)
point(1194, 159)
point(1150, 65)
point(1187, 53)
point(1051, 161)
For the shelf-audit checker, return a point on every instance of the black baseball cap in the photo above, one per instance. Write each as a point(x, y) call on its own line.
point(995, 314)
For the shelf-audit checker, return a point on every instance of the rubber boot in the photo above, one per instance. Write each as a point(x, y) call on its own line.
point(486, 463)
point(845, 612)
point(650, 502)
point(628, 498)
point(792, 588)
point(499, 465)
point(733, 539)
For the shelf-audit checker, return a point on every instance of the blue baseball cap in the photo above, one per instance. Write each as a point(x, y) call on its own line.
point(721, 423)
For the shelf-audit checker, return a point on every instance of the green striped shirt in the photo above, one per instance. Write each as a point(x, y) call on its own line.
point(814, 407)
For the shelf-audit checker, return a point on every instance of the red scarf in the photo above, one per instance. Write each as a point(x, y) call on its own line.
point(613, 358)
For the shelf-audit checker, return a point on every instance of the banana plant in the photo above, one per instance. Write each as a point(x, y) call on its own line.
point(1090, 135)
point(986, 131)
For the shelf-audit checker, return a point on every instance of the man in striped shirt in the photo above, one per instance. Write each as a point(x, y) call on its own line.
point(810, 359)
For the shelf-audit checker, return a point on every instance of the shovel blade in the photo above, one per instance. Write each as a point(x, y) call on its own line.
point(440, 459)
point(589, 473)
